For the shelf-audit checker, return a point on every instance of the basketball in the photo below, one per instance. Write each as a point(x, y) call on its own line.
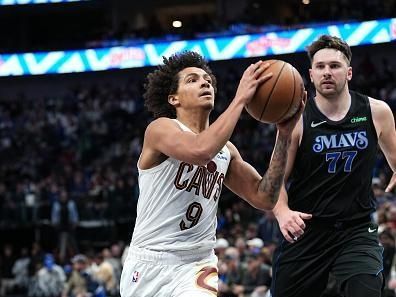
point(279, 98)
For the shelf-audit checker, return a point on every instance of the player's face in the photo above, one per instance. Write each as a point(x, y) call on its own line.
point(330, 72)
point(195, 89)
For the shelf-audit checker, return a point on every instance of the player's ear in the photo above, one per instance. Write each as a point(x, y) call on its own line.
point(349, 73)
point(173, 100)
point(310, 75)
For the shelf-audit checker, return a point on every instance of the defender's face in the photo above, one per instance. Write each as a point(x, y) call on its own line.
point(330, 72)
point(195, 89)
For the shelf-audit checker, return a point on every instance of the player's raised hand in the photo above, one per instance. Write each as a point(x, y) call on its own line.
point(250, 80)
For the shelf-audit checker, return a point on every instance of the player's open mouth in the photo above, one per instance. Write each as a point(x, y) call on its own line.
point(206, 93)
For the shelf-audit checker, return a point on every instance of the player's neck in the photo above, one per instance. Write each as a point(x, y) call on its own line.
point(335, 108)
point(195, 121)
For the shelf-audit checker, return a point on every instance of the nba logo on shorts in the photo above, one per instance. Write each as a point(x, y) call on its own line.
point(135, 277)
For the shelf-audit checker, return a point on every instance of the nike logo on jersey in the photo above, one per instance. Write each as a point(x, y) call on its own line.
point(372, 230)
point(313, 125)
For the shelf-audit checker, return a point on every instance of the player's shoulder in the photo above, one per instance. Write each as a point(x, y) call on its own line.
point(378, 106)
point(160, 127)
point(162, 124)
point(232, 149)
point(162, 121)
point(381, 113)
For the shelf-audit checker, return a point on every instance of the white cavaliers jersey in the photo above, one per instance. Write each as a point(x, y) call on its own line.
point(178, 202)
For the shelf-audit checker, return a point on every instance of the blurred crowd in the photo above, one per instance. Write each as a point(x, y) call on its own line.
point(241, 17)
point(37, 273)
point(123, 22)
point(71, 161)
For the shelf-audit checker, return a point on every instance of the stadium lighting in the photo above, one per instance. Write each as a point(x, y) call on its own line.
point(177, 24)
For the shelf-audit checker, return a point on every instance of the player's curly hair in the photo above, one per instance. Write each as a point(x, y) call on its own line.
point(164, 81)
point(327, 41)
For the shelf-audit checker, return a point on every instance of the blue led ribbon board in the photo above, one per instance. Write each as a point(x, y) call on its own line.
point(213, 49)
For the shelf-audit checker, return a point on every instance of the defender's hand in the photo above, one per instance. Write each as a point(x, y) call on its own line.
point(291, 223)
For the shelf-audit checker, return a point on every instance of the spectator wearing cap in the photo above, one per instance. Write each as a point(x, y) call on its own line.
point(378, 188)
point(77, 283)
point(255, 245)
point(220, 247)
point(81, 283)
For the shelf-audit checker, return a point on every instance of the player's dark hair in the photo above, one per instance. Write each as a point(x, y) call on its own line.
point(327, 41)
point(164, 81)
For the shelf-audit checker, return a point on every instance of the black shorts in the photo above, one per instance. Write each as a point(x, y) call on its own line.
point(302, 268)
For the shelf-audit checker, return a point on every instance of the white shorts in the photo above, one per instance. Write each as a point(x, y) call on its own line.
point(162, 274)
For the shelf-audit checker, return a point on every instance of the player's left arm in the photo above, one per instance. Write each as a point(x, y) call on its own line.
point(385, 125)
point(244, 180)
point(262, 192)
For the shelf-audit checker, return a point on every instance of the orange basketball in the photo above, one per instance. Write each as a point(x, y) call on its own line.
point(277, 99)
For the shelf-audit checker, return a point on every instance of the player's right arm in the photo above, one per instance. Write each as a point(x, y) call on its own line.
point(291, 223)
point(385, 125)
point(164, 138)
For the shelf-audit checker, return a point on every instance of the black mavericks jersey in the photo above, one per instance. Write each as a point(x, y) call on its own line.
point(331, 178)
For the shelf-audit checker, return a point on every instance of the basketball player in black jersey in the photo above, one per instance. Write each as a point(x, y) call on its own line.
point(325, 214)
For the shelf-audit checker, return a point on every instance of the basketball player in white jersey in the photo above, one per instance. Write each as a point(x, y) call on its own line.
point(182, 167)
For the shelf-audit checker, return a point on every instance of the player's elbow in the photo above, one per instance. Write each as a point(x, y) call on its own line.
point(264, 202)
point(202, 155)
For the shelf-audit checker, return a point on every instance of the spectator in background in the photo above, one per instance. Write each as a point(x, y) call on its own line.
point(112, 256)
point(81, 282)
point(76, 285)
point(64, 216)
point(20, 270)
point(232, 272)
point(106, 277)
point(255, 245)
point(49, 280)
point(9, 205)
point(7, 259)
point(255, 278)
point(36, 258)
point(220, 247)
point(240, 244)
